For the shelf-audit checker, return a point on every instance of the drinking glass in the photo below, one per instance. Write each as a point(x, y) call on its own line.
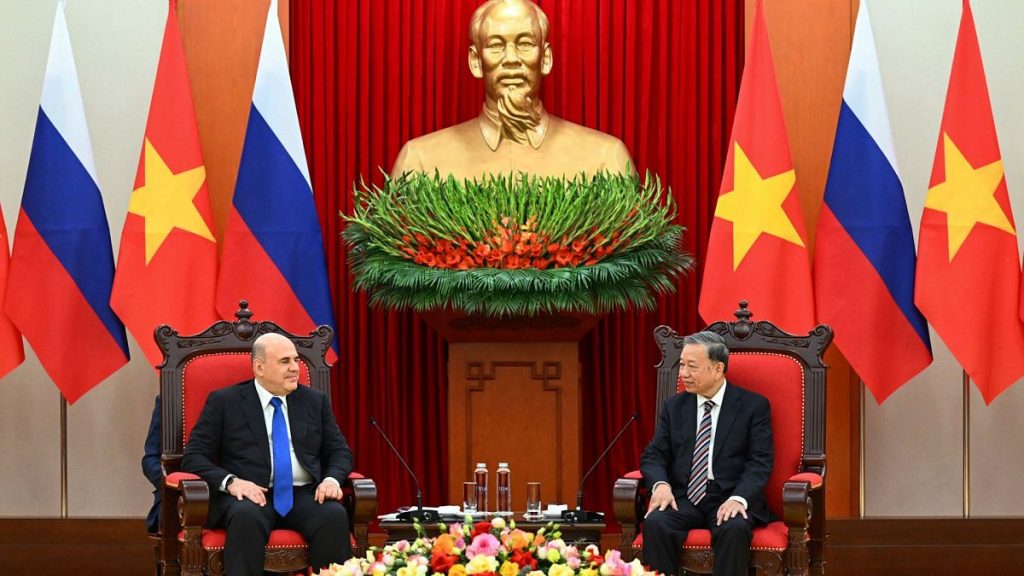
point(469, 497)
point(533, 498)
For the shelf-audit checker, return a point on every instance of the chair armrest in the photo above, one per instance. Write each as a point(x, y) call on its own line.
point(629, 498)
point(361, 502)
point(629, 502)
point(364, 498)
point(194, 503)
point(798, 495)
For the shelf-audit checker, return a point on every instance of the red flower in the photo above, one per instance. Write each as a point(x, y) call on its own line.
point(524, 558)
point(440, 562)
point(563, 257)
point(480, 528)
point(452, 258)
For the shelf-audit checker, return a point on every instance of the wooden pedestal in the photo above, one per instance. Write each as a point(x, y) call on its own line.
point(514, 396)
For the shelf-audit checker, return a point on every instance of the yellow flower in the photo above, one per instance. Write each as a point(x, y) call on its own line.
point(457, 570)
point(509, 569)
point(553, 555)
point(588, 572)
point(560, 570)
point(407, 571)
point(482, 563)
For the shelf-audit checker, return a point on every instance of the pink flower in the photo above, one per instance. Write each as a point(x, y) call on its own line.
point(613, 564)
point(485, 544)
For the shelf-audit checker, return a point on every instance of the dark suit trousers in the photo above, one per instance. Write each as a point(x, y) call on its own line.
point(665, 531)
point(324, 526)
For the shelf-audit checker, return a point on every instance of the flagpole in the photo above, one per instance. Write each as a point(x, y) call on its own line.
point(63, 456)
point(967, 444)
point(862, 451)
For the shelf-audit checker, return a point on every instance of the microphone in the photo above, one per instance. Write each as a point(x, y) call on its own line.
point(580, 515)
point(423, 516)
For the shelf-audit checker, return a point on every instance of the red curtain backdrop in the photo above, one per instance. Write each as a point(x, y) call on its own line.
point(662, 75)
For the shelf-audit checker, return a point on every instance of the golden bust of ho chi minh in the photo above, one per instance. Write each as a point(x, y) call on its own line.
point(513, 133)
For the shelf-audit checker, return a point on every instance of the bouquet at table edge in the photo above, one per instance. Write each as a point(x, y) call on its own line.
point(515, 245)
point(493, 548)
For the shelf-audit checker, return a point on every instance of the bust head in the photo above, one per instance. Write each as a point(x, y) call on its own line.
point(509, 51)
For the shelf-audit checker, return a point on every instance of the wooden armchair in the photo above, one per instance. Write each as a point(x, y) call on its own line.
point(789, 371)
point(193, 367)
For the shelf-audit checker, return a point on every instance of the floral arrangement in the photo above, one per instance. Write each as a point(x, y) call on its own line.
point(515, 245)
point(487, 549)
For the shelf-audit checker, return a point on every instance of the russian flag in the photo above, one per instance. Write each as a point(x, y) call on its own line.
point(62, 266)
point(273, 252)
point(864, 259)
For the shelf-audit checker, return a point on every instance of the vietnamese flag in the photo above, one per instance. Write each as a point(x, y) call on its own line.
point(167, 264)
point(968, 270)
point(12, 351)
point(758, 246)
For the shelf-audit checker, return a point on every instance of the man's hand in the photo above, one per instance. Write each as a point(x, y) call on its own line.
point(244, 489)
point(328, 490)
point(661, 498)
point(729, 509)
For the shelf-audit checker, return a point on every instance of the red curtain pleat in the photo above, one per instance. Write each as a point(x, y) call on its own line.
point(662, 75)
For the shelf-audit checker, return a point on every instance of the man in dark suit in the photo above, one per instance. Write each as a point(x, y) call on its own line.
point(708, 462)
point(152, 469)
point(274, 458)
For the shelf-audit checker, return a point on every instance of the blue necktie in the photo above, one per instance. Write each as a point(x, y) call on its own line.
point(282, 461)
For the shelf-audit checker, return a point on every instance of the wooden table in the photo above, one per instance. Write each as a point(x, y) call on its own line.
point(580, 534)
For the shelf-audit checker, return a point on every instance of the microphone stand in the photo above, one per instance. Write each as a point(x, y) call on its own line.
point(419, 514)
point(580, 515)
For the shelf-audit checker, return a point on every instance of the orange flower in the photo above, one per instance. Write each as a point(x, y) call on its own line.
point(517, 540)
point(443, 544)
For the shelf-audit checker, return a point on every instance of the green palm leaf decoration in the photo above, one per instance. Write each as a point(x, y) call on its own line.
point(515, 245)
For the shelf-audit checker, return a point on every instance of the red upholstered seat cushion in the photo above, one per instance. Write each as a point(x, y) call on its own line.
point(174, 478)
point(810, 477)
point(780, 379)
point(773, 537)
point(213, 539)
point(208, 372)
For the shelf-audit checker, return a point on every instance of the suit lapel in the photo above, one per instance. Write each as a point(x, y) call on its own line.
point(727, 415)
point(690, 426)
point(253, 412)
point(298, 420)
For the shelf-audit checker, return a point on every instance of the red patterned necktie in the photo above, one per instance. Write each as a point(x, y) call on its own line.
point(699, 472)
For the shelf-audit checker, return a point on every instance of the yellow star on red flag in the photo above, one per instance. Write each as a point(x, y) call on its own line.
point(967, 196)
point(754, 206)
point(165, 201)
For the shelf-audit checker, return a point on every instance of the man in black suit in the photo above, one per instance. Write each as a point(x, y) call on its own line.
point(259, 480)
point(152, 469)
point(707, 465)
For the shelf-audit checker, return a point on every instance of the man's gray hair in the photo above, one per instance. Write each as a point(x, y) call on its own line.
point(478, 17)
point(713, 343)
